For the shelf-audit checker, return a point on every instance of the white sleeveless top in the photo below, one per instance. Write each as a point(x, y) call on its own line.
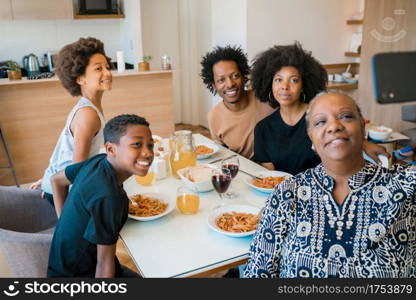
point(64, 149)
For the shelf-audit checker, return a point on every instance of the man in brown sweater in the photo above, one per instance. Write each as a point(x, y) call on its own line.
point(231, 122)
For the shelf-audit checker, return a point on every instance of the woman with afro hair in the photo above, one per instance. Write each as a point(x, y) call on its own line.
point(288, 77)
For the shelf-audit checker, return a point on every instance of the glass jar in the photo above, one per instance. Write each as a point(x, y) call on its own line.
point(165, 62)
point(183, 154)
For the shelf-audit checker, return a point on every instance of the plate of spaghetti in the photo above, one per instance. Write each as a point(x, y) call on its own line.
point(266, 181)
point(150, 206)
point(205, 150)
point(235, 220)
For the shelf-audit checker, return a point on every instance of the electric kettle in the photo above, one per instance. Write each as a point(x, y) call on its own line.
point(31, 64)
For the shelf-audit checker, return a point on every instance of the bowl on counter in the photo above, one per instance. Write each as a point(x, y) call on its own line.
point(198, 177)
point(350, 79)
point(379, 133)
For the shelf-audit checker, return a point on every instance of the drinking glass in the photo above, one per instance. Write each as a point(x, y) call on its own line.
point(232, 164)
point(221, 180)
point(149, 178)
point(187, 200)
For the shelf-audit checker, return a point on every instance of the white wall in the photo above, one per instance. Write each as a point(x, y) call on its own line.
point(319, 25)
point(160, 31)
point(194, 37)
point(131, 32)
point(229, 22)
point(21, 37)
point(160, 35)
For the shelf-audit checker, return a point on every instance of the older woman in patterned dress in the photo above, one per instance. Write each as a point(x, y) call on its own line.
point(344, 218)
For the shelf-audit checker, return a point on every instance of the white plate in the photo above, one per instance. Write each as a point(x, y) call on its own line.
point(239, 208)
point(212, 146)
point(248, 180)
point(201, 186)
point(162, 197)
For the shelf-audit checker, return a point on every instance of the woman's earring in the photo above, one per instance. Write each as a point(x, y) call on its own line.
point(313, 147)
point(270, 97)
point(304, 97)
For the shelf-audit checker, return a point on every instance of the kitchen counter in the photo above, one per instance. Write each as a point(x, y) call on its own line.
point(24, 80)
point(33, 113)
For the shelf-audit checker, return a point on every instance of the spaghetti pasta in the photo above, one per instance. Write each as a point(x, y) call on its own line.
point(237, 222)
point(146, 207)
point(268, 182)
point(202, 150)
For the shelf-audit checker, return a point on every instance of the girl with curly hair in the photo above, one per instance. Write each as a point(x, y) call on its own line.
point(288, 77)
point(84, 70)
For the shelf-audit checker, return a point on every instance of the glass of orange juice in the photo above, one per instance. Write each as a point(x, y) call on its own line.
point(148, 179)
point(187, 200)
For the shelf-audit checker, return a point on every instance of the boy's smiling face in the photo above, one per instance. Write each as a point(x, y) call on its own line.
point(134, 152)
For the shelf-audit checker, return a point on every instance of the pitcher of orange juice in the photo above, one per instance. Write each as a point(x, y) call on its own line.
point(183, 153)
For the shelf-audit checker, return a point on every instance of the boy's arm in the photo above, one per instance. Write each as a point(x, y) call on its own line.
point(105, 261)
point(60, 185)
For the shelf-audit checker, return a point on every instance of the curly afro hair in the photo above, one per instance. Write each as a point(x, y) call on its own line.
point(73, 59)
point(266, 64)
point(227, 53)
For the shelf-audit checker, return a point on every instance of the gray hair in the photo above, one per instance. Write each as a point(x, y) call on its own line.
point(331, 92)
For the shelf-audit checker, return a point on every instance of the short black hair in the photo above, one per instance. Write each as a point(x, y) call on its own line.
point(266, 64)
point(117, 126)
point(227, 53)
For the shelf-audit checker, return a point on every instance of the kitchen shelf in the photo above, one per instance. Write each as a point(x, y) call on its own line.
point(342, 85)
point(340, 68)
point(352, 54)
point(355, 22)
point(109, 16)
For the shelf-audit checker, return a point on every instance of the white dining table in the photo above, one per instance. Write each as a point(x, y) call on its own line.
point(178, 245)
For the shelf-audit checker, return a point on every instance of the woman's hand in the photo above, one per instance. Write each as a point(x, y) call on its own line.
point(36, 185)
point(373, 150)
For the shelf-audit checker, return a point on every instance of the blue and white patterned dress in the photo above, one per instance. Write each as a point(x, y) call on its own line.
point(304, 232)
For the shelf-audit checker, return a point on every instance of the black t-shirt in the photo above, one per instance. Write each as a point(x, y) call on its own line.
point(94, 212)
point(287, 147)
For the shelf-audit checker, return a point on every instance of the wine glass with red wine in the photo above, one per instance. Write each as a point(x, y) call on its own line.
point(233, 164)
point(221, 180)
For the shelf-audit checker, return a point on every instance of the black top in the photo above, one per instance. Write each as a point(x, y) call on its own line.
point(94, 213)
point(287, 147)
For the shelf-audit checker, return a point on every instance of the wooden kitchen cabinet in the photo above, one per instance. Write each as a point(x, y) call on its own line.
point(5, 10)
point(42, 9)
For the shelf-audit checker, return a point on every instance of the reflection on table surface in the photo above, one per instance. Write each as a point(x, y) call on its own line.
point(179, 245)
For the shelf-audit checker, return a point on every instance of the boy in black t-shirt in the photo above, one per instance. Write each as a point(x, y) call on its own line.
point(96, 208)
